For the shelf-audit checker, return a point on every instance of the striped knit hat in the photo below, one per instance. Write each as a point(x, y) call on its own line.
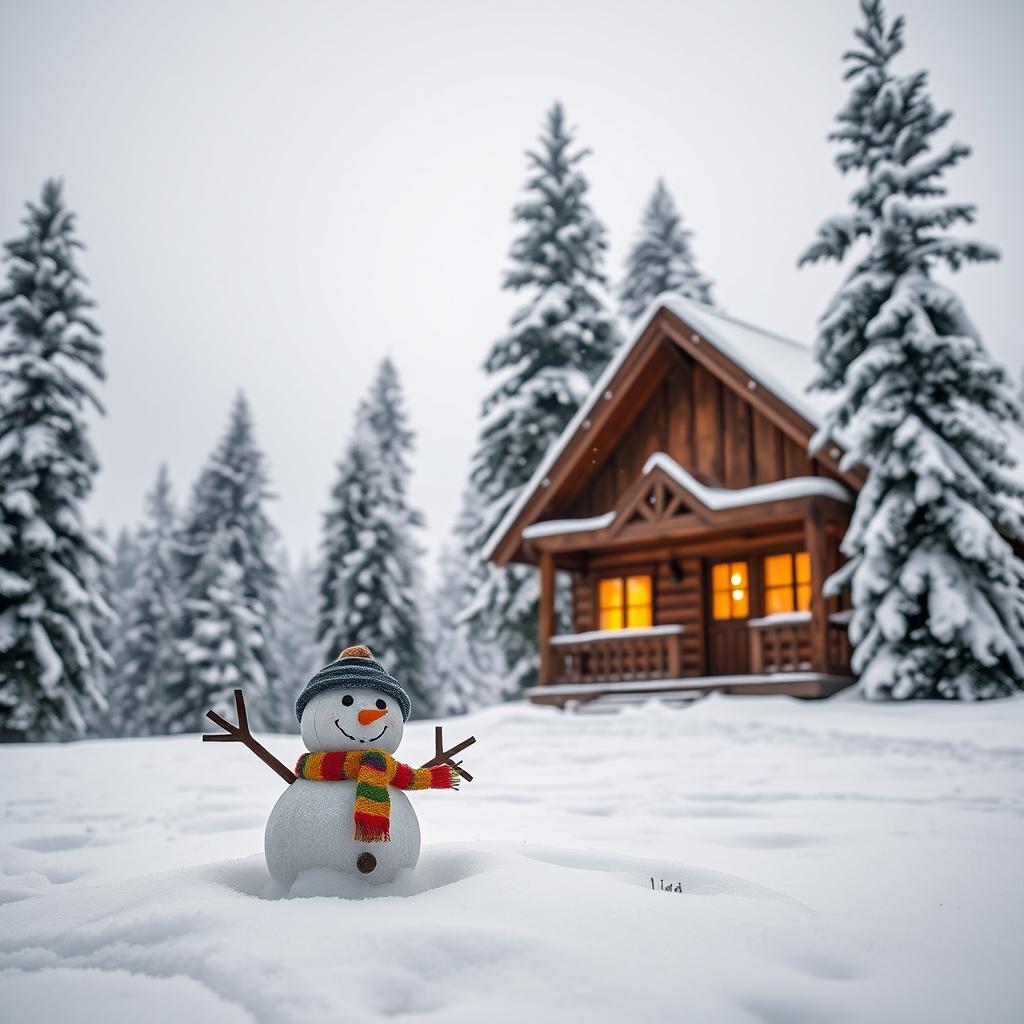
point(355, 669)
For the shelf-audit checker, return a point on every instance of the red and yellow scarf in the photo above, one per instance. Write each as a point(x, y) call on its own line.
point(373, 771)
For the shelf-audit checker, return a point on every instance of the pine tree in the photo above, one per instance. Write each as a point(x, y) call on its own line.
point(229, 580)
point(113, 579)
point(298, 655)
point(370, 577)
point(126, 560)
point(226, 646)
point(937, 590)
point(147, 657)
point(661, 259)
point(557, 344)
point(466, 670)
point(51, 659)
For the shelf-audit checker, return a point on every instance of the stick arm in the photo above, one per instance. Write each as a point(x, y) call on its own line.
point(240, 734)
point(442, 756)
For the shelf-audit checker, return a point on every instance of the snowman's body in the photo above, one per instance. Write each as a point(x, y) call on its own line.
point(311, 826)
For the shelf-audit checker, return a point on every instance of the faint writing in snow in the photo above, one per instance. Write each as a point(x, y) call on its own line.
point(664, 886)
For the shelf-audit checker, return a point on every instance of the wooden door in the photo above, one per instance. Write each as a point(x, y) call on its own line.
point(730, 594)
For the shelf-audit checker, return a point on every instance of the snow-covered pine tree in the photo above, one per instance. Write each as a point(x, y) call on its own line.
point(126, 560)
point(51, 660)
point(113, 580)
point(557, 343)
point(938, 593)
point(298, 655)
point(225, 556)
point(147, 656)
point(370, 578)
point(661, 259)
point(227, 642)
point(466, 670)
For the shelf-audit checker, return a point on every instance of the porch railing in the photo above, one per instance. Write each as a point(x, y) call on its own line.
point(780, 643)
point(616, 655)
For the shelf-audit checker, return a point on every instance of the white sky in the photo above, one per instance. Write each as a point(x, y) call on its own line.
point(275, 195)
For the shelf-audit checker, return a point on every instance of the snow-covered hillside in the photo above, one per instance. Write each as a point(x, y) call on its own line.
point(838, 862)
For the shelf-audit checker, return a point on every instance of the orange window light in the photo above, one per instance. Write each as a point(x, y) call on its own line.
point(803, 581)
point(639, 601)
point(625, 601)
point(610, 600)
point(787, 583)
point(730, 590)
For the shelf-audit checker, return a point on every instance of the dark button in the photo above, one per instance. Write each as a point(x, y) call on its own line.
point(366, 863)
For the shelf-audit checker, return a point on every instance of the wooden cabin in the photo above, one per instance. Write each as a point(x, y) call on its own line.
point(693, 525)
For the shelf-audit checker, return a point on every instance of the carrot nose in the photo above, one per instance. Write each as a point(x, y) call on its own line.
point(370, 715)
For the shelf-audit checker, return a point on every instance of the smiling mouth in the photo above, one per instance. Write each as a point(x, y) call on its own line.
point(372, 739)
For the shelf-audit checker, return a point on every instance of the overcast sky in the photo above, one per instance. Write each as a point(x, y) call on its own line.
point(276, 195)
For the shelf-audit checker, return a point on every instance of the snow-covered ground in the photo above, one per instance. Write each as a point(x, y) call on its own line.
point(838, 862)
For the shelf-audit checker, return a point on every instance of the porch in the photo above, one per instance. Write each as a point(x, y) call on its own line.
point(637, 664)
point(674, 595)
point(803, 685)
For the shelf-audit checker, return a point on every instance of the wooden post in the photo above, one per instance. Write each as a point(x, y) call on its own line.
point(675, 655)
point(547, 614)
point(757, 651)
point(817, 549)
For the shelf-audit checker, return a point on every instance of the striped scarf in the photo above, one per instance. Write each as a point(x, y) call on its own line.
point(373, 771)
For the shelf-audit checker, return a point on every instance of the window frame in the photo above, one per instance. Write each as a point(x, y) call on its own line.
point(795, 586)
point(754, 554)
point(622, 574)
point(750, 565)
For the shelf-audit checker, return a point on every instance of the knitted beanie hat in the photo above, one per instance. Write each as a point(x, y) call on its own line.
point(354, 669)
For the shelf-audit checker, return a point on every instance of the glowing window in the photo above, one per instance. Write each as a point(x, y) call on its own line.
point(730, 590)
point(787, 583)
point(625, 601)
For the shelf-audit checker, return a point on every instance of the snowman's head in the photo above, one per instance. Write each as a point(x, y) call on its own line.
point(352, 718)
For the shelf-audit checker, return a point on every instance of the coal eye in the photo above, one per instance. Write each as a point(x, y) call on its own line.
point(347, 700)
point(381, 705)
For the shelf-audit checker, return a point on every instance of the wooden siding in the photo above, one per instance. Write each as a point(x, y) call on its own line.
point(705, 426)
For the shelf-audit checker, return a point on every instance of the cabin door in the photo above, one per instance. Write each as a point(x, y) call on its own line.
point(728, 604)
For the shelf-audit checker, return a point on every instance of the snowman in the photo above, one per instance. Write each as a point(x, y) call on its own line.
point(345, 808)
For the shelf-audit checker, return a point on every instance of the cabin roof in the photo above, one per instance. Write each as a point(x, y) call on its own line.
point(781, 365)
point(784, 366)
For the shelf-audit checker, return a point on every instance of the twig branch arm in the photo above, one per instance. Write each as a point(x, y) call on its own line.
point(240, 734)
point(442, 756)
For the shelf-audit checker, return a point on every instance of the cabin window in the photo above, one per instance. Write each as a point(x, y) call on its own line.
point(730, 590)
point(787, 583)
point(626, 601)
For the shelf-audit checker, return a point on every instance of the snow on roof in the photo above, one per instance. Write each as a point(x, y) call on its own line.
point(715, 498)
point(556, 527)
point(737, 497)
point(764, 355)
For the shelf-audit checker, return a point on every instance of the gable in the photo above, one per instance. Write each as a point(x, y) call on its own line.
point(723, 398)
point(703, 425)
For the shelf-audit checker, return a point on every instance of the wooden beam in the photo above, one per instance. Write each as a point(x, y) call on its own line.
point(547, 614)
point(751, 519)
point(816, 541)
